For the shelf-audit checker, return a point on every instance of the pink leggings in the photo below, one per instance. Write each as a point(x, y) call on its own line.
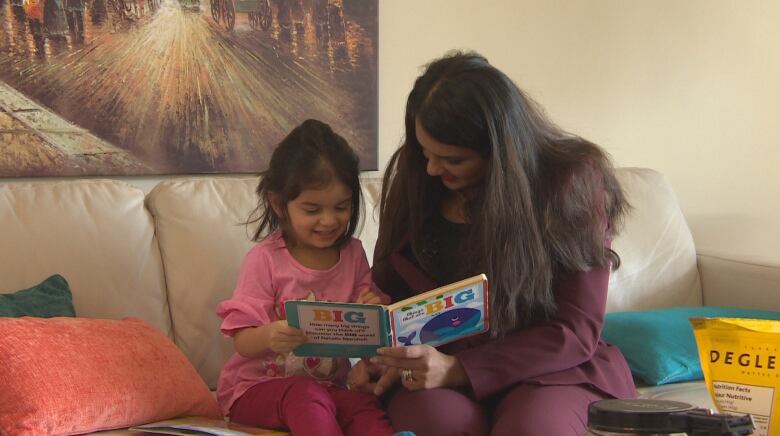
point(306, 407)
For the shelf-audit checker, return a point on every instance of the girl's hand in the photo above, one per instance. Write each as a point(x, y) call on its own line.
point(367, 296)
point(419, 367)
point(282, 338)
point(363, 376)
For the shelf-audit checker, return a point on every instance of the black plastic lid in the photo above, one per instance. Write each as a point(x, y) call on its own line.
point(638, 416)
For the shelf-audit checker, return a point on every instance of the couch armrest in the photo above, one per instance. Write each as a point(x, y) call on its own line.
point(744, 283)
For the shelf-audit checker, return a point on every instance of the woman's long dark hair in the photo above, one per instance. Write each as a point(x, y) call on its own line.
point(310, 156)
point(546, 201)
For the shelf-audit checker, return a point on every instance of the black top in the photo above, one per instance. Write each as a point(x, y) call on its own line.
point(441, 253)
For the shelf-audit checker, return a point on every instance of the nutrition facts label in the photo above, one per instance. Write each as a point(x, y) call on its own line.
point(741, 398)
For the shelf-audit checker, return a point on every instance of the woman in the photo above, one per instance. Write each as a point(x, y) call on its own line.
point(484, 182)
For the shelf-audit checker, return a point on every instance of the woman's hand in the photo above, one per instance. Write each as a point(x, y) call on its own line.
point(419, 367)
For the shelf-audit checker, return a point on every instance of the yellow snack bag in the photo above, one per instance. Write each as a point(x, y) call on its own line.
point(741, 365)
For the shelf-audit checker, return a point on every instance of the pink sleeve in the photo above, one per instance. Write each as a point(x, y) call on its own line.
point(363, 275)
point(253, 301)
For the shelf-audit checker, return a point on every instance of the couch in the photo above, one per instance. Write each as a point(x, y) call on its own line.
point(169, 256)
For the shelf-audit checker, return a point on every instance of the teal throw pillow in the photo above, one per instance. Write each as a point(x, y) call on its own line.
point(48, 299)
point(659, 344)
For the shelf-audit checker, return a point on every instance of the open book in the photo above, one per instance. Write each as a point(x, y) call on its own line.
point(435, 317)
point(198, 425)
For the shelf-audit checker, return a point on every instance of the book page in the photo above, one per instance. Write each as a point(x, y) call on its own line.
point(442, 315)
point(198, 425)
point(339, 323)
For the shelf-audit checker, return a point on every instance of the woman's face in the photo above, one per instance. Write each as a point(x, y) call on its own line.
point(458, 168)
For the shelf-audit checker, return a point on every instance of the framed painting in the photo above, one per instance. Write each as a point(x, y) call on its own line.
point(151, 87)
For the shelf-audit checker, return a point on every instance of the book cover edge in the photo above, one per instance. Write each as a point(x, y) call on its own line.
point(440, 290)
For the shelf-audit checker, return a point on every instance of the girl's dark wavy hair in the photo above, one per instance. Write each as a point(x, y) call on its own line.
point(541, 210)
point(309, 157)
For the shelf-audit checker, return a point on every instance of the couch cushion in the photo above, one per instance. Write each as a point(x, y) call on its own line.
point(203, 244)
point(694, 392)
point(369, 228)
point(656, 248)
point(76, 375)
point(96, 233)
point(659, 344)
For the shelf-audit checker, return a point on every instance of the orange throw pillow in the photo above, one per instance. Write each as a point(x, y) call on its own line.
point(80, 375)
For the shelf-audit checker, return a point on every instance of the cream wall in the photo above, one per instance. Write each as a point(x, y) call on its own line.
point(690, 88)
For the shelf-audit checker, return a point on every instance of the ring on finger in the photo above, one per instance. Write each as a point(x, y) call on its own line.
point(407, 375)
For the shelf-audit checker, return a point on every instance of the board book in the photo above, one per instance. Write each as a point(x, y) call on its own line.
point(435, 317)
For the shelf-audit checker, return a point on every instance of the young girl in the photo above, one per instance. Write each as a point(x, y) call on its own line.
point(309, 202)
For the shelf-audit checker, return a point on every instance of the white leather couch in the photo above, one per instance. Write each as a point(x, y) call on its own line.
point(170, 256)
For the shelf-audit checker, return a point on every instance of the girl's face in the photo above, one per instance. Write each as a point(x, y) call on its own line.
point(458, 167)
point(318, 217)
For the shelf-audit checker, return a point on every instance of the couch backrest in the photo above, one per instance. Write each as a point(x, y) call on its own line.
point(95, 233)
point(101, 238)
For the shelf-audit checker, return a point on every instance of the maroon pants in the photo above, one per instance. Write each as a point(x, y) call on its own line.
point(527, 410)
point(306, 407)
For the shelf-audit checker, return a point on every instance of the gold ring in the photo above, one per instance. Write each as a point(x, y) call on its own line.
point(407, 375)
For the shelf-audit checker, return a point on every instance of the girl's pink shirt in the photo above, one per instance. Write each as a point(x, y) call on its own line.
point(269, 276)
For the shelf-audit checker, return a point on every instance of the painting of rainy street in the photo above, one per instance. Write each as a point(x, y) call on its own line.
point(153, 87)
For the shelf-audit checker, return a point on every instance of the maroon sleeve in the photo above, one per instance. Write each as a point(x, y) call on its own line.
point(549, 352)
point(566, 341)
